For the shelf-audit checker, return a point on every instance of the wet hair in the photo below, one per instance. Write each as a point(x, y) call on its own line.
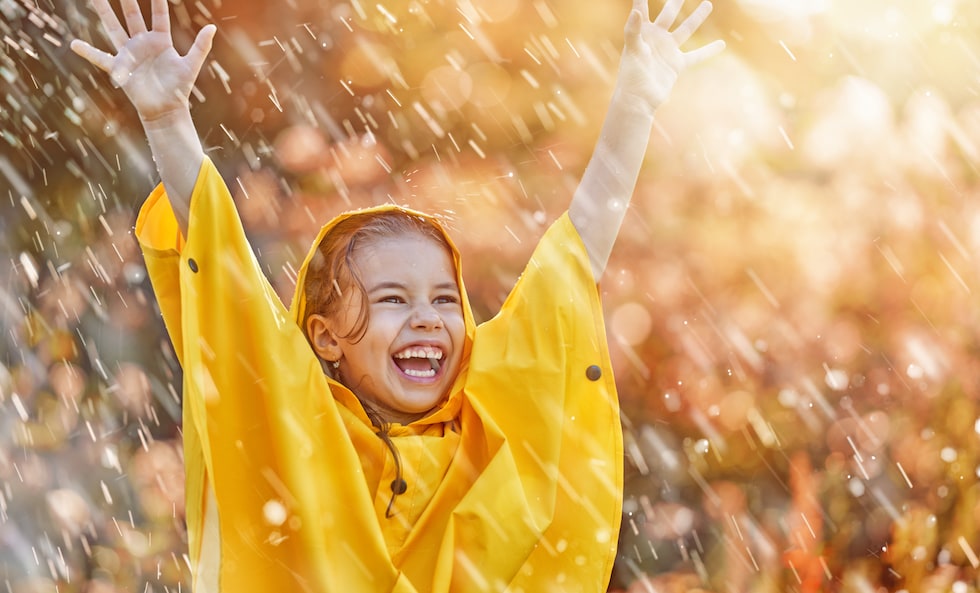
point(331, 271)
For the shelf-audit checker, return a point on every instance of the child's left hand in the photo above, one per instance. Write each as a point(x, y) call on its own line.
point(652, 57)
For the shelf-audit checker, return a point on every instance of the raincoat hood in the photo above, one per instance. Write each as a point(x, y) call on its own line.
point(448, 408)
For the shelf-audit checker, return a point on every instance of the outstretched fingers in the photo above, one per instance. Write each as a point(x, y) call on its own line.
point(113, 28)
point(134, 17)
point(692, 23)
point(643, 8)
point(634, 29)
point(668, 14)
point(96, 57)
point(202, 46)
point(161, 16)
point(701, 54)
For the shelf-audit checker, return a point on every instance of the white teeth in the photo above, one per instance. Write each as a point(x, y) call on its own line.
point(420, 353)
point(421, 374)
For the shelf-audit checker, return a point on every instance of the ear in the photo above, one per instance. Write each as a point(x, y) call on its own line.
point(322, 337)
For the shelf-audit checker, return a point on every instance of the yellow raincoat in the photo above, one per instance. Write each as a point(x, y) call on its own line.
point(514, 482)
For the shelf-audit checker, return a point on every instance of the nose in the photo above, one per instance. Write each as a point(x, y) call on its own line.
point(425, 316)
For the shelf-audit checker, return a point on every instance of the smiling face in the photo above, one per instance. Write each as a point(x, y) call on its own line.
point(408, 354)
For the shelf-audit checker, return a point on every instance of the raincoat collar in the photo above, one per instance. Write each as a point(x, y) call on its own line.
point(449, 408)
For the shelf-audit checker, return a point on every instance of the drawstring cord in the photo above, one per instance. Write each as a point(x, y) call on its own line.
point(398, 485)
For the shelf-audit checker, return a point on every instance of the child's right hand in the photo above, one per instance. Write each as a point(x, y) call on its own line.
point(156, 79)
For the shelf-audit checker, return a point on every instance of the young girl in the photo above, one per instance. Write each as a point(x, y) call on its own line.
point(372, 437)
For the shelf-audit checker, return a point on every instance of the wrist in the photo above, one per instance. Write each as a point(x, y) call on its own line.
point(167, 119)
point(638, 107)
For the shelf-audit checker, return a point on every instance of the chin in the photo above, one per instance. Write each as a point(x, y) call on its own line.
point(423, 408)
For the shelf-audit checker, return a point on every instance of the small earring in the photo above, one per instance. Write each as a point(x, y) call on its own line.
point(335, 364)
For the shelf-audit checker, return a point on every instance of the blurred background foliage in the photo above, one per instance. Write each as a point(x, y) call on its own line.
point(790, 304)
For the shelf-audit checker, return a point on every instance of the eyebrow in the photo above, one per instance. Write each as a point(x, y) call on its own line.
point(398, 285)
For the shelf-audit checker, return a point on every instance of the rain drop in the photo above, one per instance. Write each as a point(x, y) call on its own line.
point(134, 273)
point(836, 379)
point(274, 512)
point(914, 371)
point(789, 398)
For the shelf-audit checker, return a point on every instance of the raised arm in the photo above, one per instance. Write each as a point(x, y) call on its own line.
point(649, 66)
point(158, 82)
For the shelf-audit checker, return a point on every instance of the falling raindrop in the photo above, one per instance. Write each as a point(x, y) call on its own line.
point(836, 379)
point(914, 371)
point(134, 273)
point(274, 512)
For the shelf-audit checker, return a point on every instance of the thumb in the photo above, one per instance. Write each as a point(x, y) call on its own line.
point(96, 57)
point(202, 46)
point(634, 24)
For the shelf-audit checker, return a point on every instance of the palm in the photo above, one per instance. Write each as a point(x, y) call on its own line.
point(155, 78)
point(652, 57)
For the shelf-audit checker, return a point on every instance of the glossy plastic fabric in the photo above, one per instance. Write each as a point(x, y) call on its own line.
point(515, 480)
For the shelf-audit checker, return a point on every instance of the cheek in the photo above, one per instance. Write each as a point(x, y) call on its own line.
point(383, 328)
point(457, 327)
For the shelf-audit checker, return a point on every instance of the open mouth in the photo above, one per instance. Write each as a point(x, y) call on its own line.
point(420, 362)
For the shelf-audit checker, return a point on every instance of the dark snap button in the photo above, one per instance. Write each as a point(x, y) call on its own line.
point(192, 265)
point(398, 486)
point(593, 373)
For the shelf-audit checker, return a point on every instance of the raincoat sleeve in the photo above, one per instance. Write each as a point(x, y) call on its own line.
point(261, 429)
point(540, 371)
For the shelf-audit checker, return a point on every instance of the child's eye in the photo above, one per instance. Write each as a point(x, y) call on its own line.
point(446, 299)
point(391, 299)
